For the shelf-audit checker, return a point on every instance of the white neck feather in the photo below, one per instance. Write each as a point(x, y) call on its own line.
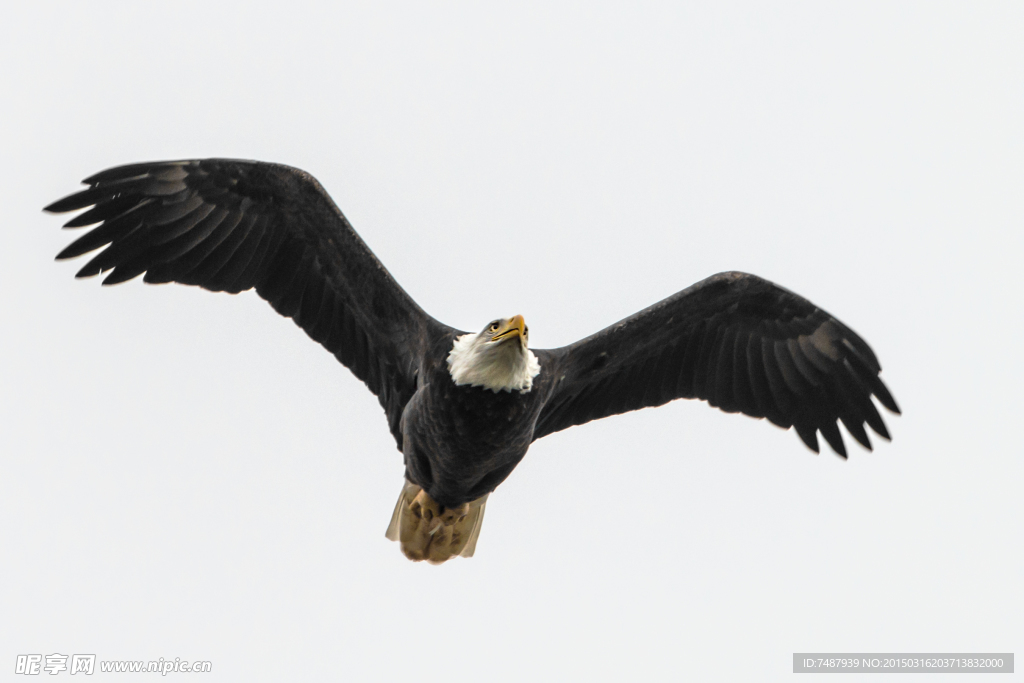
point(502, 367)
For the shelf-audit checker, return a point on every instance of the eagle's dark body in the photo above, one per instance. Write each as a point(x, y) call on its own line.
point(460, 442)
point(735, 340)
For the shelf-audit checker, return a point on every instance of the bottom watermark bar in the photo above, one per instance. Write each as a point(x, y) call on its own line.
point(32, 665)
point(902, 662)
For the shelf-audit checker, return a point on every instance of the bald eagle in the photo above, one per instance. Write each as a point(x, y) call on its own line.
point(465, 407)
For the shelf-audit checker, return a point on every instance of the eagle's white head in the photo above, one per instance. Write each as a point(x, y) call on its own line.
point(496, 358)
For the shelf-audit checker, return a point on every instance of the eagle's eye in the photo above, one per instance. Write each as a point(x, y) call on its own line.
point(526, 330)
point(494, 326)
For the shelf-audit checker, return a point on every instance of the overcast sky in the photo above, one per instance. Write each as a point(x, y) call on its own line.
point(186, 474)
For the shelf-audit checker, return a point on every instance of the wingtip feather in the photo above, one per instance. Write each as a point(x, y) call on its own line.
point(830, 431)
point(886, 399)
point(809, 436)
point(70, 203)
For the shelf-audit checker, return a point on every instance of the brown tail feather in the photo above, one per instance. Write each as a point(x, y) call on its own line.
point(428, 532)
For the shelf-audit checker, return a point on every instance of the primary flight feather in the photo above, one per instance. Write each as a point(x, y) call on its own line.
point(465, 407)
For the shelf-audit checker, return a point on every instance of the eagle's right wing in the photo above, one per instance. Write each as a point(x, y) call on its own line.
point(229, 225)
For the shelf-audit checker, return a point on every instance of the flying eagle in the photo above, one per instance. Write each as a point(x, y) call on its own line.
point(464, 407)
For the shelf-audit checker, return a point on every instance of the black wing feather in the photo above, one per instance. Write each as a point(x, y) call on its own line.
point(228, 225)
point(736, 341)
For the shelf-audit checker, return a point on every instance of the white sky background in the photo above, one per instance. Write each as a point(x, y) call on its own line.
point(185, 474)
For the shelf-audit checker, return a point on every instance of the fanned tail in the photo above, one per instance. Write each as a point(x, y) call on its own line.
point(429, 532)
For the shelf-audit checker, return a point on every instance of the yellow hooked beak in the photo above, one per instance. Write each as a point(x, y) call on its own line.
point(513, 327)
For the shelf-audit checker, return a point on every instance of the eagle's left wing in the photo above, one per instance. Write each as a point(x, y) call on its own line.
point(735, 340)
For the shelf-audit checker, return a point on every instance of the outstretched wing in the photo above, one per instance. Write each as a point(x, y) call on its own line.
point(229, 225)
point(735, 340)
